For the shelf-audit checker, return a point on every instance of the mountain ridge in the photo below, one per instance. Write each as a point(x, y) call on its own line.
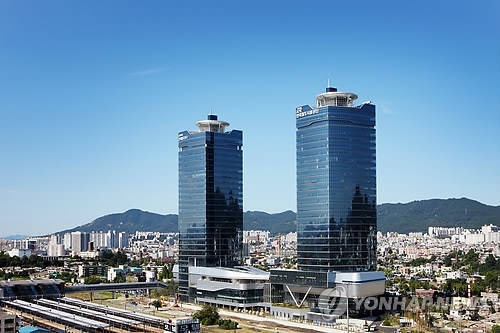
point(413, 216)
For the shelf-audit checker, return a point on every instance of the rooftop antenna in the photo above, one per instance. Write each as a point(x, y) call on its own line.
point(211, 112)
point(328, 83)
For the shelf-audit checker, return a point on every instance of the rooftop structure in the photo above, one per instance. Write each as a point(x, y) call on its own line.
point(27, 289)
point(332, 97)
point(32, 329)
point(212, 124)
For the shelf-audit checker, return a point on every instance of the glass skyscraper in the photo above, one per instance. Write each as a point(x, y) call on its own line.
point(210, 198)
point(336, 184)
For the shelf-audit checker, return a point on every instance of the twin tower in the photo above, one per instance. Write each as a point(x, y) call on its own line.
point(336, 190)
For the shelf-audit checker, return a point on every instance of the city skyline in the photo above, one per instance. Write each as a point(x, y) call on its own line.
point(90, 111)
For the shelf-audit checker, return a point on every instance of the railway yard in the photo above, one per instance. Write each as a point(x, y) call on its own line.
point(127, 314)
point(73, 315)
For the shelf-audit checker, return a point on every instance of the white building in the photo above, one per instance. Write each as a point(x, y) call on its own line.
point(122, 240)
point(55, 247)
point(252, 236)
point(150, 276)
point(19, 253)
point(56, 250)
point(67, 241)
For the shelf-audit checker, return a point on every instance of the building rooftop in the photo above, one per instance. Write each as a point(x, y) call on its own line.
point(32, 329)
point(239, 272)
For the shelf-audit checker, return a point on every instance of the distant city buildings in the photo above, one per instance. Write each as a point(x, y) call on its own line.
point(20, 253)
point(79, 242)
point(56, 246)
point(439, 241)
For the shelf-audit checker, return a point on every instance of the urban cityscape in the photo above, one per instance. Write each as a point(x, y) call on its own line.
point(343, 255)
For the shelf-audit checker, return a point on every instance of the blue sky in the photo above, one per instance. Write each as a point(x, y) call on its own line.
point(93, 94)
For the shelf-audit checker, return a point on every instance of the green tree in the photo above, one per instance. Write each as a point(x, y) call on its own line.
point(157, 304)
point(208, 315)
point(227, 324)
point(94, 279)
point(495, 329)
point(119, 279)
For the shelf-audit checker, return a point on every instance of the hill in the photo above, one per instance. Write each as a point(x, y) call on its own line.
point(276, 223)
point(419, 215)
point(137, 220)
point(408, 217)
point(15, 237)
point(131, 221)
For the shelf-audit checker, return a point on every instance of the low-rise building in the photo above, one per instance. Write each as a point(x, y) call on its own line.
point(150, 276)
point(89, 270)
point(239, 287)
point(8, 322)
point(20, 253)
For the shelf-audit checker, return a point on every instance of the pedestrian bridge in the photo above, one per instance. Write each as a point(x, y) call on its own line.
point(85, 288)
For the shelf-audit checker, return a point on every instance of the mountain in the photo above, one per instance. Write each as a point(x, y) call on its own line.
point(408, 217)
point(276, 223)
point(15, 237)
point(137, 220)
point(131, 221)
point(419, 215)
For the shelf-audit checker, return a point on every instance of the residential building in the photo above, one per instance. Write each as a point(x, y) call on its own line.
point(79, 242)
point(122, 240)
point(20, 253)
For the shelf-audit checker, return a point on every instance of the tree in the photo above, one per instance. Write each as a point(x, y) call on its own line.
point(447, 261)
point(94, 279)
point(67, 277)
point(208, 315)
point(495, 329)
point(386, 322)
point(227, 324)
point(119, 279)
point(157, 304)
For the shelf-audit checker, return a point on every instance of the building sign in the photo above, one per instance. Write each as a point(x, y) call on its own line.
point(187, 325)
point(301, 113)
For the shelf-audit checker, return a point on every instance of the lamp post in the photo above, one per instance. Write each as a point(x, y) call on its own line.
point(347, 283)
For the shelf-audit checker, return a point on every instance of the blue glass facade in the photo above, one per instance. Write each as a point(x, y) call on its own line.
point(210, 198)
point(336, 185)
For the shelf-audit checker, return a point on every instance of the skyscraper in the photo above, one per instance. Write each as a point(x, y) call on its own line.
point(210, 198)
point(336, 184)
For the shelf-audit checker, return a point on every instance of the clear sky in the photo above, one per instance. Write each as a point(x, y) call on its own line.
point(93, 94)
